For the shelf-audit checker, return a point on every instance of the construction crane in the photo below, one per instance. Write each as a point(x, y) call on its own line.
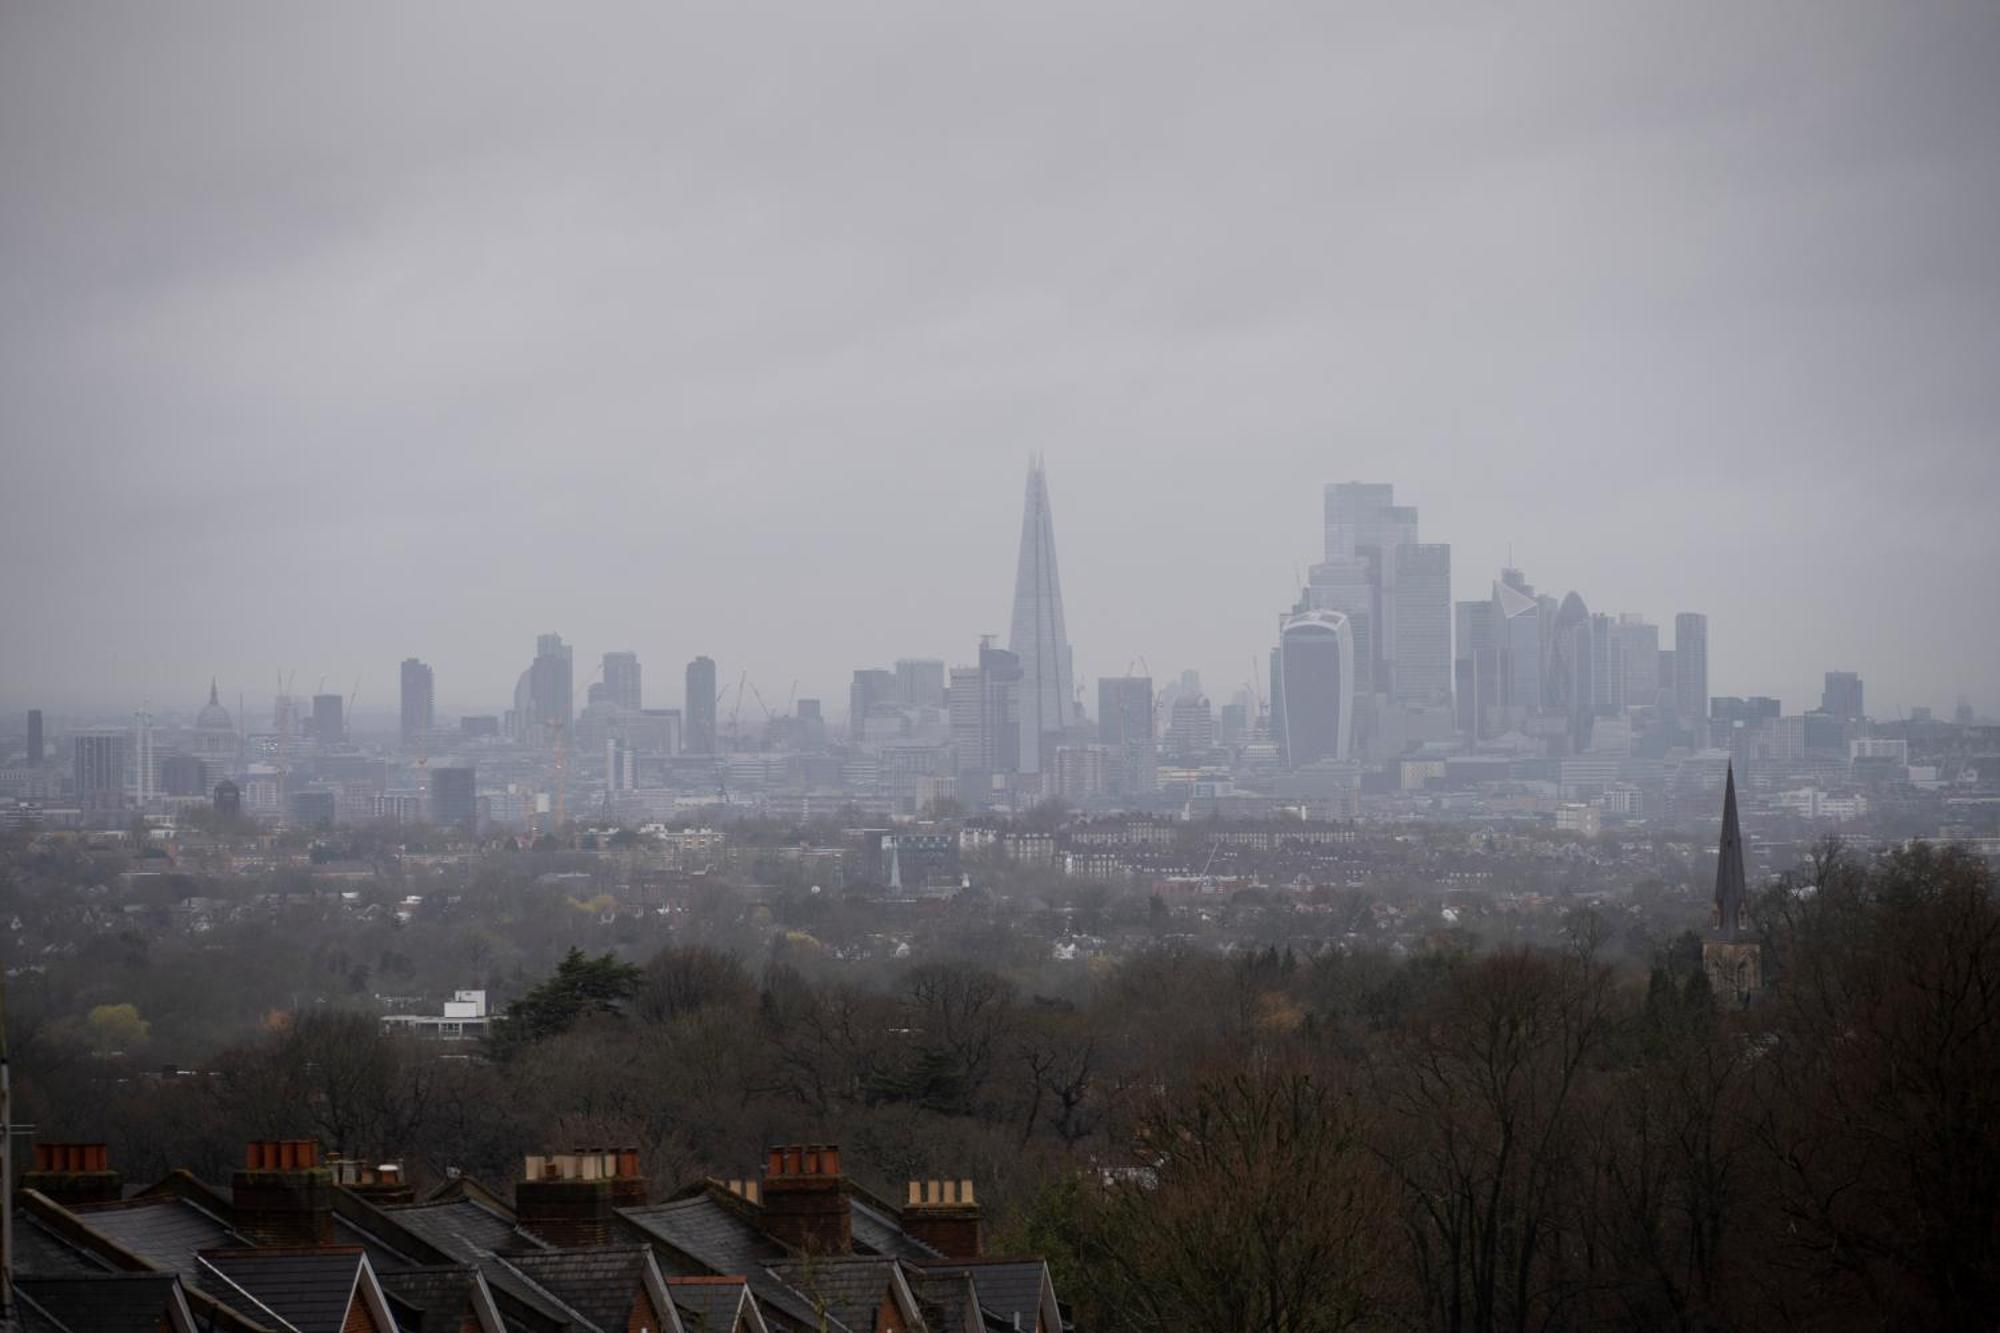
point(736, 713)
point(562, 726)
point(758, 695)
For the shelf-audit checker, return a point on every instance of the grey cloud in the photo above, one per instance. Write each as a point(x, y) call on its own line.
point(340, 333)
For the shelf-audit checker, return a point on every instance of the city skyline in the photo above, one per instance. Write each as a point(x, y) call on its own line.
point(1034, 554)
point(1678, 314)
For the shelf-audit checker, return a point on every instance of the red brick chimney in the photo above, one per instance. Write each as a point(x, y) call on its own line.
point(74, 1173)
point(283, 1196)
point(567, 1198)
point(944, 1215)
point(805, 1199)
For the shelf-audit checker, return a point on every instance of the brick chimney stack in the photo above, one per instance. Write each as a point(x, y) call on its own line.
point(567, 1198)
point(74, 1173)
point(383, 1184)
point(944, 1215)
point(805, 1199)
point(283, 1196)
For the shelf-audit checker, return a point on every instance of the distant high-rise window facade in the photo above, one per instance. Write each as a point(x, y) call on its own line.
point(550, 695)
point(699, 706)
point(1422, 604)
point(419, 700)
point(1394, 590)
point(1571, 666)
point(454, 797)
point(98, 770)
point(1638, 644)
point(329, 726)
point(920, 682)
point(1691, 672)
point(621, 681)
point(1841, 698)
point(1312, 695)
point(1039, 639)
point(985, 713)
point(872, 688)
point(1125, 728)
point(1190, 728)
point(1517, 618)
point(34, 738)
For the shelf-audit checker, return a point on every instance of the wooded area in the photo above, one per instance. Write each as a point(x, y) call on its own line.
point(1464, 1140)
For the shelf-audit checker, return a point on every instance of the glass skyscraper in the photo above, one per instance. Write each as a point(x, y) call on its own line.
point(1039, 638)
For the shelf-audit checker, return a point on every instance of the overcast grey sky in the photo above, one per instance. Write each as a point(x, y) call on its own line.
point(332, 334)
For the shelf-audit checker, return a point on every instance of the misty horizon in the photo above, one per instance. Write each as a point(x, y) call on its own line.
point(716, 333)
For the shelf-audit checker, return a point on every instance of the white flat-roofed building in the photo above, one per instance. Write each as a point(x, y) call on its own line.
point(464, 1019)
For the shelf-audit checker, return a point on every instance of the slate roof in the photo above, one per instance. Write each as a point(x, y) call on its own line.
point(39, 1252)
point(166, 1232)
point(850, 1290)
point(601, 1283)
point(879, 1233)
point(34, 1319)
point(707, 1230)
point(100, 1303)
point(440, 1293)
point(308, 1289)
point(707, 1304)
point(473, 1233)
point(1006, 1287)
point(382, 1255)
point(462, 1228)
point(948, 1298)
point(723, 1243)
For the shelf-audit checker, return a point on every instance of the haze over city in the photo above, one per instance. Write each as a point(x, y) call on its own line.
point(343, 335)
point(1092, 668)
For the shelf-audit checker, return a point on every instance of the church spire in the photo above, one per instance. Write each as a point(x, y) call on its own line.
point(212, 699)
point(1729, 881)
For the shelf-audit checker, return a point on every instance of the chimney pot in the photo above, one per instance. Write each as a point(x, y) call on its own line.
point(805, 1199)
point(73, 1173)
point(283, 1196)
point(944, 1214)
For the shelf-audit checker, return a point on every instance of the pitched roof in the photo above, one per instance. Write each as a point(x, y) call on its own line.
point(1006, 1287)
point(40, 1252)
point(102, 1302)
point(709, 1231)
point(848, 1289)
point(709, 1304)
point(166, 1232)
point(462, 1228)
point(948, 1299)
point(703, 1234)
point(472, 1232)
point(878, 1232)
point(310, 1290)
point(601, 1283)
point(441, 1294)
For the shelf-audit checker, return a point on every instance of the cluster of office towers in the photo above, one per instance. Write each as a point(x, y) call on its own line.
point(1371, 660)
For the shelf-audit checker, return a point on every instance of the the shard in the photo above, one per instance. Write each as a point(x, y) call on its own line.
point(1039, 638)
